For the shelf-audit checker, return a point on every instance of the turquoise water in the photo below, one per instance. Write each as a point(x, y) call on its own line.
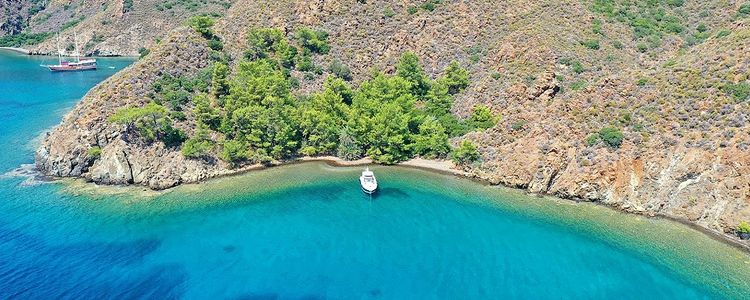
point(306, 231)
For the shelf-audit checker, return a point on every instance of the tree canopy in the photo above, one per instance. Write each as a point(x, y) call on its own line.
point(250, 114)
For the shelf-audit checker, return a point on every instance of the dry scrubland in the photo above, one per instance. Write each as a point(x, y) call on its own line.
point(566, 78)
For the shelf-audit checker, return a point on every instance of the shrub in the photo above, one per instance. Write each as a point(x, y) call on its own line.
point(596, 27)
point(314, 40)
point(455, 78)
point(428, 6)
point(591, 44)
point(675, 3)
point(215, 44)
point(611, 136)
point(744, 227)
point(127, 5)
point(94, 152)
point(518, 125)
point(592, 139)
point(202, 25)
point(673, 27)
point(577, 67)
point(641, 82)
point(142, 52)
point(388, 12)
point(412, 10)
point(465, 154)
point(739, 91)
point(482, 118)
point(574, 64)
point(744, 10)
point(340, 70)
point(642, 47)
point(172, 137)
point(578, 85)
point(723, 33)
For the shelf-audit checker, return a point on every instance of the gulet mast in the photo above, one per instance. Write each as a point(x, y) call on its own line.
point(75, 41)
point(59, 50)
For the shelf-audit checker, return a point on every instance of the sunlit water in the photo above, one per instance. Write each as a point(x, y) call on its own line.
point(307, 231)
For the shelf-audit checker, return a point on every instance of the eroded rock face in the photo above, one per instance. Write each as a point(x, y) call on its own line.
point(705, 187)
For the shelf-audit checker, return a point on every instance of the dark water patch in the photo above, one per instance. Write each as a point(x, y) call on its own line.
point(229, 248)
point(165, 282)
point(33, 268)
point(14, 104)
point(258, 296)
point(312, 297)
point(391, 192)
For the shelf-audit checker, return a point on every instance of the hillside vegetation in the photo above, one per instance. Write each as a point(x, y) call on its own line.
point(641, 105)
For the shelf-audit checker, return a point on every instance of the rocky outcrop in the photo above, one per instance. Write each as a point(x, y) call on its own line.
point(65, 151)
point(699, 186)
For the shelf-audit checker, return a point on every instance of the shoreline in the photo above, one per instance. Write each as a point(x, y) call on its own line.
point(16, 50)
point(446, 167)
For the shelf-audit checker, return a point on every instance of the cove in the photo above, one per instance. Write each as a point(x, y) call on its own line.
point(307, 231)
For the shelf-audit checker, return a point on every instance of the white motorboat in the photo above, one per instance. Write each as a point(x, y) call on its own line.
point(368, 181)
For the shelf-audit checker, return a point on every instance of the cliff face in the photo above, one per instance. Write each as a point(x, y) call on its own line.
point(556, 72)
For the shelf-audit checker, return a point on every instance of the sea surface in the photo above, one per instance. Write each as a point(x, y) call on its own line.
point(306, 231)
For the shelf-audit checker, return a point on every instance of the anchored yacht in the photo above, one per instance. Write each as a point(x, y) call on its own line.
point(77, 65)
point(368, 181)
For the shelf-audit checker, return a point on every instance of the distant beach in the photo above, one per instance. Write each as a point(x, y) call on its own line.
point(17, 50)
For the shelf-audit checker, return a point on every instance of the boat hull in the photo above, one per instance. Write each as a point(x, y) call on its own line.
point(369, 192)
point(71, 68)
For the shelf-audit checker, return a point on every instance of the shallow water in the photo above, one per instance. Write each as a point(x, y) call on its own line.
point(307, 231)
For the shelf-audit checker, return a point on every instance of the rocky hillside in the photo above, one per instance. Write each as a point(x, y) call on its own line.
point(104, 27)
point(642, 105)
point(14, 16)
